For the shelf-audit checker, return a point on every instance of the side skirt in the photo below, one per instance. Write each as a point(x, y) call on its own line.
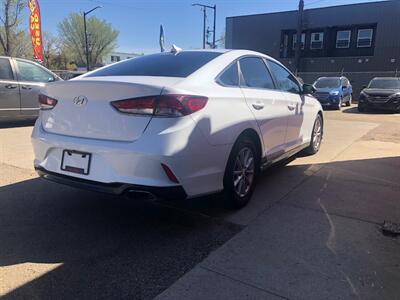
point(270, 160)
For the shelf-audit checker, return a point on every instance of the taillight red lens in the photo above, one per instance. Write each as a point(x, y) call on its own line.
point(46, 102)
point(162, 106)
point(136, 106)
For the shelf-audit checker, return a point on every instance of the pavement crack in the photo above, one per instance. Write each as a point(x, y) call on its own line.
point(243, 282)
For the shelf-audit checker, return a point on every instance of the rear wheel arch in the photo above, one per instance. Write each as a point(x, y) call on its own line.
point(251, 134)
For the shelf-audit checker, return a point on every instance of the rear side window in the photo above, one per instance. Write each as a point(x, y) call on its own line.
point(5, 69)
point(230, 77)
point(181, 64)
point(33, 73)
point(255, 73)
point(285, 81)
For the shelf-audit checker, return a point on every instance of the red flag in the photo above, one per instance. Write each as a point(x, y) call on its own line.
point(35, 29)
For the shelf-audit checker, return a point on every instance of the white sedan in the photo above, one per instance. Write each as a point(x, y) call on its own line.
point(175, 125)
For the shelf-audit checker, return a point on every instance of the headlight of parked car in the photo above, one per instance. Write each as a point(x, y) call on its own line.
point(334, 93)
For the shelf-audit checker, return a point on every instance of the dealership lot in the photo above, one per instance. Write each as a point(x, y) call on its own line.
point(312, 230)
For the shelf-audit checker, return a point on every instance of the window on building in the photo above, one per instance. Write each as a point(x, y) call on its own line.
point(230, 77)
point(255, 73)
point(303, 41)
point(364, 38)
point(286, 82)
point(317, 40)
point(115, 58)
point(343, 39)
point(5, 70)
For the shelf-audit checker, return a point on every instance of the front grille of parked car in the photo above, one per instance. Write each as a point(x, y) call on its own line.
point(322, 95)
point(374, 98)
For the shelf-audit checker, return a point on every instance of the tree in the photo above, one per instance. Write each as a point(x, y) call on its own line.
point(102, 38)
point(10, 35)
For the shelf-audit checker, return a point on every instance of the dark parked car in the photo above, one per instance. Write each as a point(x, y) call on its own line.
point(381, 93)
point(20, 84)
point(333, 91)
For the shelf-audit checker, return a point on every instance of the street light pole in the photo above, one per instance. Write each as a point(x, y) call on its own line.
point(204, 7)
point(204, 27)
point(86, 36)
point(215, 22)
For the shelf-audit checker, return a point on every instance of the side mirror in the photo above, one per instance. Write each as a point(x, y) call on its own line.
point(51, 79)
point(364, 87)
point(308, 89)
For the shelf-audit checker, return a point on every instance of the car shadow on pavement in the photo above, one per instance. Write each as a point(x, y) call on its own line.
point(354, 110)
point(15, 124)
point(109, 247)
point(114, 247)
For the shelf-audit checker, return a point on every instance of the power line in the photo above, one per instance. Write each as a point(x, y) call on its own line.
point(315, 2)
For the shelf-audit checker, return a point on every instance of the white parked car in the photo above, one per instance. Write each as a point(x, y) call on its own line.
point(179, 124)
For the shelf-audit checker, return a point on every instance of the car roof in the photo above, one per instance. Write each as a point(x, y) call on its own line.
point(386, 78)
point(333, 77)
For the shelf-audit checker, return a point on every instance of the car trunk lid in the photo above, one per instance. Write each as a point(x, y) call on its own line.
point(84, 110)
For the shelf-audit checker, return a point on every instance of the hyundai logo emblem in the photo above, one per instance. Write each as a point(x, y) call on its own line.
point(80, 101)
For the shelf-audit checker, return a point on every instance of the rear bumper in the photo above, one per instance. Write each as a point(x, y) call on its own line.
point(198, 166)
point(116, 188)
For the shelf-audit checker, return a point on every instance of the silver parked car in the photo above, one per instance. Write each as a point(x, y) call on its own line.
point(20, 84)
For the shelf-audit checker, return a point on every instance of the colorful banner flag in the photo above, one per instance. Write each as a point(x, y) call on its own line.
point(162, 39)
point(35, 29)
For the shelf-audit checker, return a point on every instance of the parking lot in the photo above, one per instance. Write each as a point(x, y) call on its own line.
point(312, 230)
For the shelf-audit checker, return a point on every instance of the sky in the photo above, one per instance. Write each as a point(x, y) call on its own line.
point(138, 22)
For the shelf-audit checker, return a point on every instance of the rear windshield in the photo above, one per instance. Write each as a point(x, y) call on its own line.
point(162, 64)
point(384, 84)
point(327, 83)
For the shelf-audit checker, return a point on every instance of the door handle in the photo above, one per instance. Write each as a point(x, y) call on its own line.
point(258, 105)
point(291, 107)
point(10, 86)
point(26, 87)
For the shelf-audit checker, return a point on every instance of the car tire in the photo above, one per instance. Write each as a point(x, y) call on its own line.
point(348, 103)
point(241, 173)
point(340, 104)
point(316, 136)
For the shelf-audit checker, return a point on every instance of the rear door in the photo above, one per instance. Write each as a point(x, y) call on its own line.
point(296, 107)
point(9, 90)
point(31, 79)
point(266, 103)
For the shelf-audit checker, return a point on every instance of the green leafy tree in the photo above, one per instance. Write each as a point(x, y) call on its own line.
point(12, 39)
point(102, 38)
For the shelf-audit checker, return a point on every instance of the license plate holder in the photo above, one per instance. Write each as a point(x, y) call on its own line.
point(76, 162)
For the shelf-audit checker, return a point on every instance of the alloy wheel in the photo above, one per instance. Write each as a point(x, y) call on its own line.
point(243, 172)
point(317, 133)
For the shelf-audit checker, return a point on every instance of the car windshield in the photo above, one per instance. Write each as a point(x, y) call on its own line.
point(327, 83)
point(385, 83)
point(162, 64)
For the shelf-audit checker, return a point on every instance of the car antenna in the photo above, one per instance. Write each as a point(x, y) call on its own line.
point(175, 49)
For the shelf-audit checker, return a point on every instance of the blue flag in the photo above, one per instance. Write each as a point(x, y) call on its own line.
point(162, 40)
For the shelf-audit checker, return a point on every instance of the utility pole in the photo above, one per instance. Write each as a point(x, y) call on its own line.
point(86, 36)
point(298, 36)
point(204, 7)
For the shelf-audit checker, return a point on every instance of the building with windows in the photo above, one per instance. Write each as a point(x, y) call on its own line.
point(348, 38)
point(118, 56)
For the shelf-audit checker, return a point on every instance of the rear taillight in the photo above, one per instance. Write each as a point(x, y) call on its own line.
point(46, 103)
point(162, 106)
